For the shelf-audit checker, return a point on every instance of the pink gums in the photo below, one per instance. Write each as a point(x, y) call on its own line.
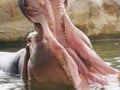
point(74, 44)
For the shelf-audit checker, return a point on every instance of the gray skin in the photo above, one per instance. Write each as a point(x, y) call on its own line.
point(11, 62)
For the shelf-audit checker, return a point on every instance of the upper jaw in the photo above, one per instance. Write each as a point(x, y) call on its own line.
point(33, 9)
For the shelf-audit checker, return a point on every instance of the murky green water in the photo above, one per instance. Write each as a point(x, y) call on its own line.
point(11, 47)
point(109, 50)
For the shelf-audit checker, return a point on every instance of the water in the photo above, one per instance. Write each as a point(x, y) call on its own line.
point(109, 50)
point(8, 82)
point(11, 47)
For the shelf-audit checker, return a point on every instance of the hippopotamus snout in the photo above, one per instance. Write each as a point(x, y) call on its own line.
point(58, 52)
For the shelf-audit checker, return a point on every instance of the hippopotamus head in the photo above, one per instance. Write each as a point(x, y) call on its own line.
point(34, 10)
point(58, 55)
point(48, 64)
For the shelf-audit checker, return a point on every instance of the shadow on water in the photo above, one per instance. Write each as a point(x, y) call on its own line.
point(109, 50)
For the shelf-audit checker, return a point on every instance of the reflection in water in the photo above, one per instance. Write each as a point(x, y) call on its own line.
point(109, 50)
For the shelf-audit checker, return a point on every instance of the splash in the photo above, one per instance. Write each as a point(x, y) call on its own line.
point(113, 84)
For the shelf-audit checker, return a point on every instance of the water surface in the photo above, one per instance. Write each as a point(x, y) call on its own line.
point(108, 50)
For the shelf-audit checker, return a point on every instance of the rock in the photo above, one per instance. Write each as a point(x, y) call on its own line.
point(13, 25)
point(93, 17)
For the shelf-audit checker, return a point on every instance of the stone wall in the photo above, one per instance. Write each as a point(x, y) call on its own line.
point(96, 17)
point(93, 17)
point(13, 25)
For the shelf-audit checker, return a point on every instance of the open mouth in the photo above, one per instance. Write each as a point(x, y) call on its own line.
point(56, 28)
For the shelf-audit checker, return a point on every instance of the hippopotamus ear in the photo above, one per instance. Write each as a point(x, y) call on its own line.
point(65, 3)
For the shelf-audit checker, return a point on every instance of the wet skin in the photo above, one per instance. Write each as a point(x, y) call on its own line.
point(58, 52)
point(11, 62)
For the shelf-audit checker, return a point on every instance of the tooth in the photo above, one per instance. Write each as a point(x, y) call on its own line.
point(29, 8)
point(42, 3)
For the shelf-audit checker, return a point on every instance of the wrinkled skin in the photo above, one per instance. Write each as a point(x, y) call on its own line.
point(59, 52)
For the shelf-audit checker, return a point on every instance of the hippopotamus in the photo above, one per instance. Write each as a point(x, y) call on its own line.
point(58, 56)
point(11, 62)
